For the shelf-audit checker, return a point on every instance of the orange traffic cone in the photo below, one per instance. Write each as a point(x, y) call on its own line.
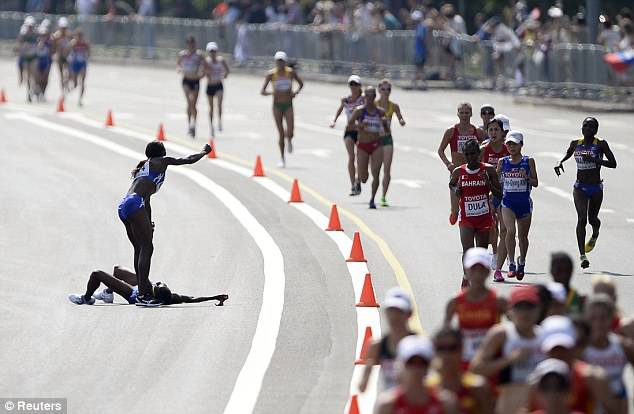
point(3, 98)
point(60, 105)
point(367, 300)
point(296, 197)
point(161, 133)
point(334, 224)
point(109, 120)
point(356, 253)
point(212, 154)
point(258, 171)
point(367, 340)
point(354, 405)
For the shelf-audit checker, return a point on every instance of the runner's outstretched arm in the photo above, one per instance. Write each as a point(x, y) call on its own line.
point(190, 159)
point(176, 298)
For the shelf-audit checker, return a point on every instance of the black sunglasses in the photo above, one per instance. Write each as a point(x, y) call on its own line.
point(524, 306)
point(354, 84)
point(385, 88)
point(487, 113)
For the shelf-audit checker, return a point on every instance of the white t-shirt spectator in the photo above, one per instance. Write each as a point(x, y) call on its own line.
point(457, 24)
point(610, 38)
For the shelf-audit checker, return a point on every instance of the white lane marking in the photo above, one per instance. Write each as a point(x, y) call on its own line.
point(607, 211)
point(176, 116)
point(409, 183)
point(316, 152)
point(559, 192)
point(365, 317)
point(546, 154)
point(123, 115)
point(316, 128)
point(630, 220)
point(249, 382)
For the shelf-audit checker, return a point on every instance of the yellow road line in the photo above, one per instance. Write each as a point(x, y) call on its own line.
point(388, 254)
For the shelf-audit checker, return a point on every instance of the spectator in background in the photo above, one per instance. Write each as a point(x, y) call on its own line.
point(390, 22)
point(256, 14)
point(294, 13)
point(627, 42)
point(420, 48)
point(609, 35)
point(86, 7)
point(455, 22)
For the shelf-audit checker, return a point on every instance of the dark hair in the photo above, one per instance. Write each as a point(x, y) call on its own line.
point(152, 149)
point(449, 331)
point(563, 383)
point(370, 89)
point(190, 39)
point(563, 258)
point(155, 149)
point(472, 144)
point(592, 120)
point(496, 121)
point(162, 293)
point(545, 299)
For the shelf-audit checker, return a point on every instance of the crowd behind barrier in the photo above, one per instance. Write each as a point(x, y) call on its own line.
point(563, 70)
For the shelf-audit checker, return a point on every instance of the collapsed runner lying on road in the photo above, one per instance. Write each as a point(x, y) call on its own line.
point(123, 282)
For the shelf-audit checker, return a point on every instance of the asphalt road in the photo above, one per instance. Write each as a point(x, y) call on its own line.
point(64, 176)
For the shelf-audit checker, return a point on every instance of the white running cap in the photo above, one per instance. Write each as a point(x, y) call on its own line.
point(212, 47)
point(29, 21)
point(279, 55)
point(415, 345)
point(555, 12)
point(557, 331)
point(506, 123)
point(515, 136)
point(416, 15)
point(397, 298)
point(476, 255)
point(42, 30)
point(62, 22)
point(354, 78)
point(557, 291)
point(549, 366)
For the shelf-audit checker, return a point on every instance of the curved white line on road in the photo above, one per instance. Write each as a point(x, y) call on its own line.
point(249, 382)
point(365, 316)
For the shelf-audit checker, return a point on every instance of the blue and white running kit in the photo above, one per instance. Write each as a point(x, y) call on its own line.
point(133, 202)
point(516, 191)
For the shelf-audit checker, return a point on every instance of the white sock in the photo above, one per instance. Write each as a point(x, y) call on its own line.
point(494, 261)
point(511, 261)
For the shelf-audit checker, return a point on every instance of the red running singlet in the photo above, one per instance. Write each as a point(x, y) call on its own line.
point(475, 210)
point(474, 320)
point(433, 405)
point(459, 140)
point(491, 157)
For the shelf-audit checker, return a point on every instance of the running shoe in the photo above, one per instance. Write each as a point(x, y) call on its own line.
point(192, 132)
point(105, 296)
point(520, 270)
point(219, 126)
point(290, 146)
point(357, 187)
point(585, 263)
point(497, 276)
point(353, 190)
point(148, 301)
point(590, 245)
point(80, 300)
point(281, 164)
point(453, 218)
point(512, 270)
point(372, 205)
point(384, 202)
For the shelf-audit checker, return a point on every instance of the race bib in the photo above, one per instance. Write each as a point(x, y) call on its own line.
point(474, 208)
point(583, 164)
point(282, 84)
point(472, 340)
point(515, 184)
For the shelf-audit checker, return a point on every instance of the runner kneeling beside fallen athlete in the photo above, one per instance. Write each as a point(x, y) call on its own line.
point(123, 282)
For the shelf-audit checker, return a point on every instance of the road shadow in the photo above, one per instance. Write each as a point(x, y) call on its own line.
point(605, 272)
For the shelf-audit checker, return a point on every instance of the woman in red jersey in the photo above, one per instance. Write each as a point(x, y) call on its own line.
point(477, 307)
point(492, 152)
point(412, 396)
point(471, 183)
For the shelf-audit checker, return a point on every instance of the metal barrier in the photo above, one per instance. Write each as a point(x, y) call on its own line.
point(387, 54)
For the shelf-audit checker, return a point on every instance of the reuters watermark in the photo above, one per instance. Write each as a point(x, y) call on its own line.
point(33, 405)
